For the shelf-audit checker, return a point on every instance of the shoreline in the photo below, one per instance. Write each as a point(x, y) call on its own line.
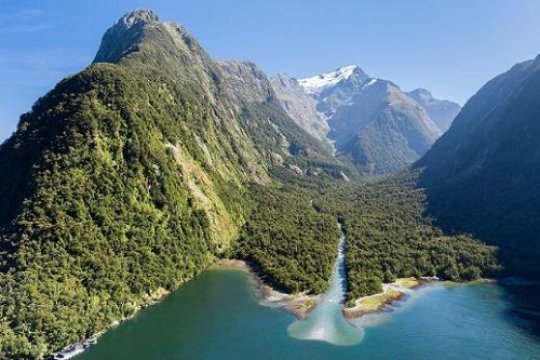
point(264, 291)
point(300, 305)
point(77, 348)
point(392, 293)
point(398, 291)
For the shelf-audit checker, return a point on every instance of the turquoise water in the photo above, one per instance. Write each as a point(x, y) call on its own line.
point(218, 316)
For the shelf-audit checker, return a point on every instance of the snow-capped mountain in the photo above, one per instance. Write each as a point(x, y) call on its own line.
point(316, 84)
point(371, 121)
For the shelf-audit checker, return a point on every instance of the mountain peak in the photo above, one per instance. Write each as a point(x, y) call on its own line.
point(123, 37)
point(138, 17)
point(316, 84)
point(347, 70)
point(442, 112)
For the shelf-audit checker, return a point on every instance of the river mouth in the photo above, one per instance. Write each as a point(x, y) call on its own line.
point(326, 322)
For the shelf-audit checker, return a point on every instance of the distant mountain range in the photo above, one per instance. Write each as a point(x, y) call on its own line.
point(370, 121)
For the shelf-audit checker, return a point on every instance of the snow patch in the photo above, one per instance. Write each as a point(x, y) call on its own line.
point(369, 83)
point(316, 84)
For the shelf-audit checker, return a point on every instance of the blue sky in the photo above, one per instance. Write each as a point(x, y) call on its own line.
point(451, 47)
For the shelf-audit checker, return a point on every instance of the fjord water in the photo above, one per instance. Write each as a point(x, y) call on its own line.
point(218, 316)
point(326, 322)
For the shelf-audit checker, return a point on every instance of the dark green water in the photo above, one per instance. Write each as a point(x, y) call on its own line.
point(217, 316)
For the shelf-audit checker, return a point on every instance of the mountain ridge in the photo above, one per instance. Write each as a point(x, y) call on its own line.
point(442, 112)
point(370, 121)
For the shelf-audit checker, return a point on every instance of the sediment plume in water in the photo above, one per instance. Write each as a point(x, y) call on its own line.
point(326, 322)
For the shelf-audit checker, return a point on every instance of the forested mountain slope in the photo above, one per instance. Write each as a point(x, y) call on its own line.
point(482, 176)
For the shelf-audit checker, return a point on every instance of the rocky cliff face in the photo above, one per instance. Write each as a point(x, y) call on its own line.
point(300, 106)
point(269, 125)
point(247, 81)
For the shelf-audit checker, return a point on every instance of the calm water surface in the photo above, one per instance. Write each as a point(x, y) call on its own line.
point(217, 316)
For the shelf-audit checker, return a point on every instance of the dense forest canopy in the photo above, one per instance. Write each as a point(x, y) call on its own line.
point(388, 236)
